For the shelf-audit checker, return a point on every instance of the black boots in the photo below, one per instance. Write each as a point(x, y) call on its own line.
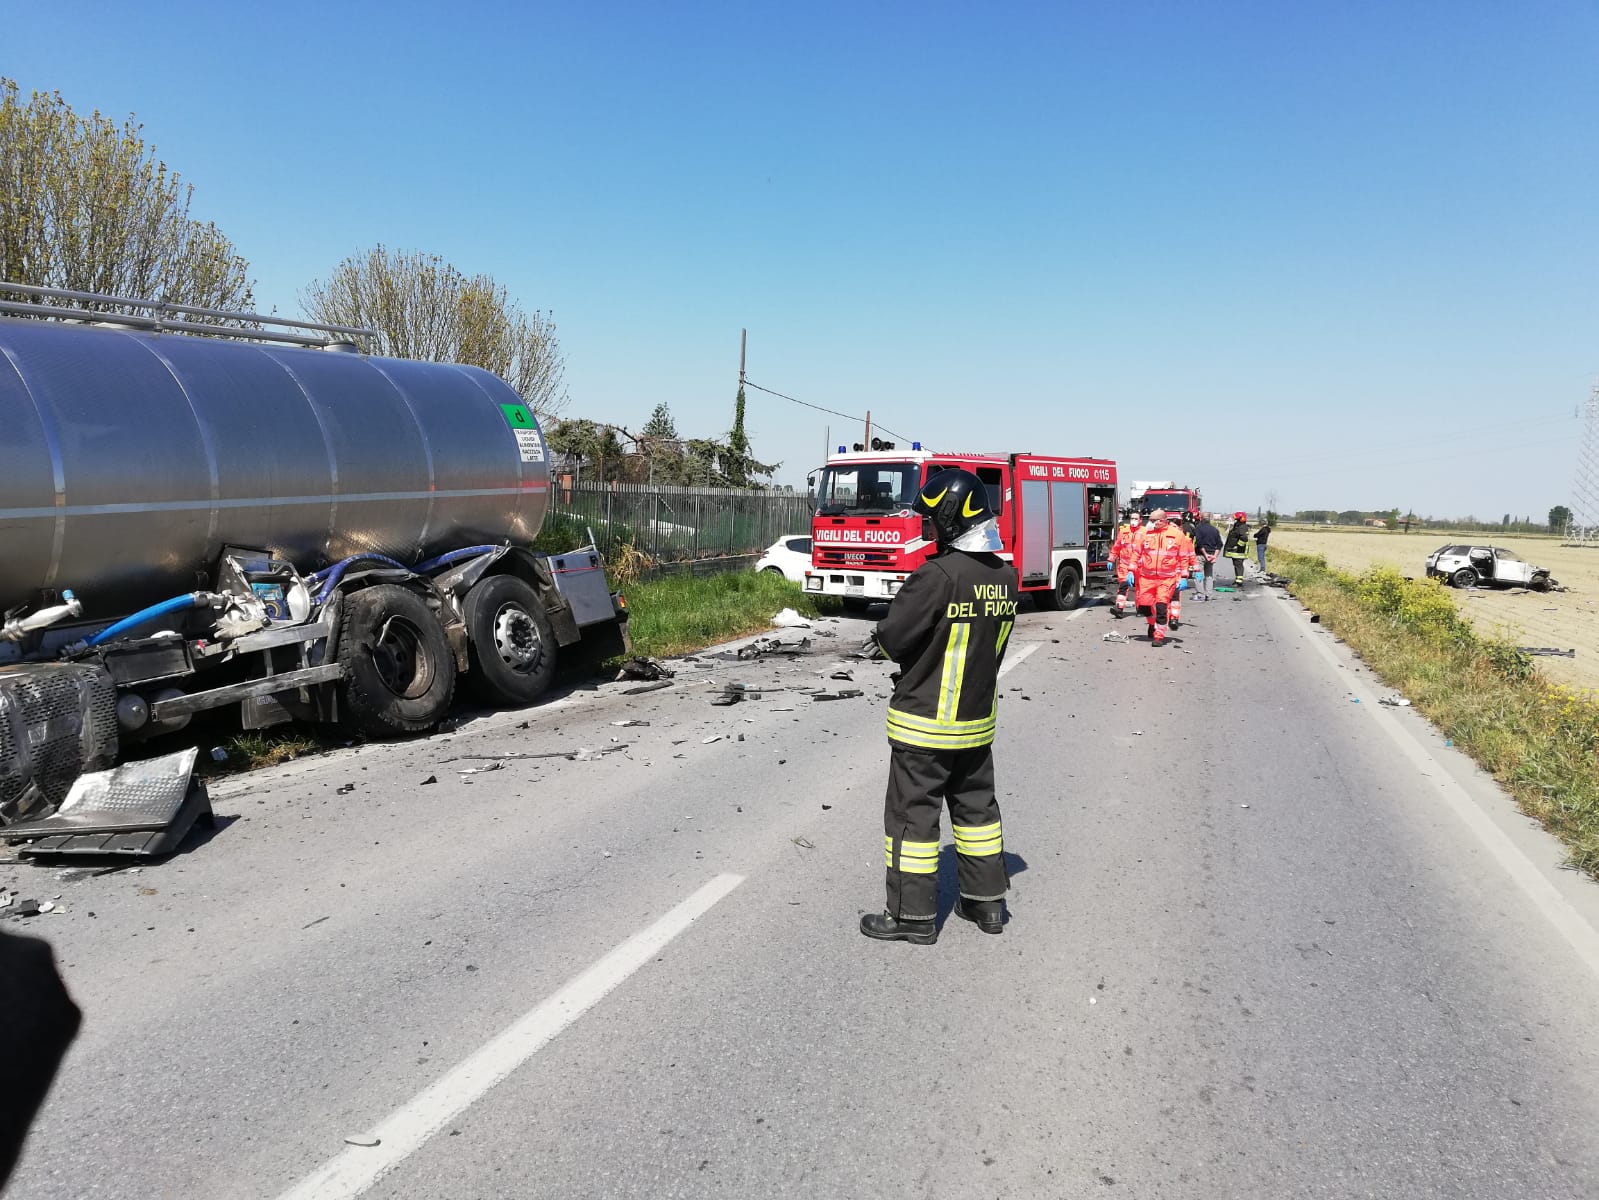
point(987, 915)
point(888, 928)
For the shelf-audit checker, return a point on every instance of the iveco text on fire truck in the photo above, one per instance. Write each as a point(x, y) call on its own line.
point(1056, 517)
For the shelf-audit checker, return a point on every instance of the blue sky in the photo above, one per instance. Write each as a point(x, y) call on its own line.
point(1340, 252)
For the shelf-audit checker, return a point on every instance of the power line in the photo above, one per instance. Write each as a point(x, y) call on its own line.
point(831, 411)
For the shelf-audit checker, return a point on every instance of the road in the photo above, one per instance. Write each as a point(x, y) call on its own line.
point(1265, 942)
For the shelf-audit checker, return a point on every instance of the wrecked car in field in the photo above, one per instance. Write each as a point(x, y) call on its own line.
point(1486, 566)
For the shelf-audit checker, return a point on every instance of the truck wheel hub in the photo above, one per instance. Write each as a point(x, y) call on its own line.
point(516, 638)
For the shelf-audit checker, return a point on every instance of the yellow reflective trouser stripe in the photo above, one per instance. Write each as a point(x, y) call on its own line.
point(1004, 636)
point(915, 858)
point(978, 840)
point(949, 688)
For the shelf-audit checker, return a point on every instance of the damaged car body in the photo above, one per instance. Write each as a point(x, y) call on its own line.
point(1486, 566)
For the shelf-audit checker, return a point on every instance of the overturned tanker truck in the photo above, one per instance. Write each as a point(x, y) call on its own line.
point(271, 519)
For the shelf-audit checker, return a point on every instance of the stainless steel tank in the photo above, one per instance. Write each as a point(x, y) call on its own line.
point(129, 459)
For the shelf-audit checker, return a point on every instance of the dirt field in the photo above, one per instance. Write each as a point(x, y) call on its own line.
point(1565, 620)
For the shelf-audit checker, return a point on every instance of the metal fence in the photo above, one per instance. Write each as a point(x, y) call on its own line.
point(677, 524)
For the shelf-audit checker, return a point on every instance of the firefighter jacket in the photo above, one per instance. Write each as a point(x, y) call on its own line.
point(1164, 554)
point(947, 630)
point(1237, 541)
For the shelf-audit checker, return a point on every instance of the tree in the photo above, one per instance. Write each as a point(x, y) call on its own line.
point(738, 446)
point(1559, 518)
point(426, 308)
point(597, 447)
point(87, 206)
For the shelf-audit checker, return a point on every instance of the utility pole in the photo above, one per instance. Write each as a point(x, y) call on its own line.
point(743, 344)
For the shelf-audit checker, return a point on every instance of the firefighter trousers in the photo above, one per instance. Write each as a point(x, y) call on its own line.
point(920, 783)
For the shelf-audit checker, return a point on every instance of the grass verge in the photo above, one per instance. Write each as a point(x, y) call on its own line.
point(1538, 739)
point(678, 614)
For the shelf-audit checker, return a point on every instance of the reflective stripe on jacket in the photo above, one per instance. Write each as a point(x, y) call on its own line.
point(947, 629)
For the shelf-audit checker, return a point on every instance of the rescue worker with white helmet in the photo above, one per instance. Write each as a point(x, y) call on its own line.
point(947, 629)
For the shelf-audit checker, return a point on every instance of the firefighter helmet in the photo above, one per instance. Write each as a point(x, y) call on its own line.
point(956, 502)
point(1240, 516)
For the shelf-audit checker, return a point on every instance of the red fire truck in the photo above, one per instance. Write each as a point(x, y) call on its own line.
point(1182, 503)
point(1056, 518)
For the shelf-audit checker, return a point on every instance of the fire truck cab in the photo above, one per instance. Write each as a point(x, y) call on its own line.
point(1181, 503)
point(1056, 518)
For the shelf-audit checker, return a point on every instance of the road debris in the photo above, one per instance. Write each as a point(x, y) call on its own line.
point(363, 1140)
point(789, 619)
point(715, 737)
point(1548, 651)
point(645, 669)
point(1395, 701)
point(581, 754)
point(218, 754)
point(484, 769)
point(631, 724)
point(846, 676)
point(428, 780)
point(647, 687)
point(344, 789)
point(1114, 637)
point(763, 647)
point(841, 694)
point(803, 843)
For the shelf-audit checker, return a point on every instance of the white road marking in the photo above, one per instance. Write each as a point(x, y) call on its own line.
point(1014, 659)
point(1555, 908)
point(353, 1171)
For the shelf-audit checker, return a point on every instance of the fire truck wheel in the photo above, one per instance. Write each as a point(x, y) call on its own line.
point(399, 672)
point(1067, 593)
point(510, 640)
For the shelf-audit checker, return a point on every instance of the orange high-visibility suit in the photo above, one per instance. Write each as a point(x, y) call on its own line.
point(1176, 604)
point(1163, 556)
point(1123, 553)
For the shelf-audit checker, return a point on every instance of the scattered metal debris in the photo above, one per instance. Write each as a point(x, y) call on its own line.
point(630, 724)
point(1548, 651)
point(841, 694)
point(789, 619)
point(484, 769)
point(1114, 637)
point(803, 843)
point(846, 676)
point(647, 687)
point(645, 669)
point(344, 789)
point(1395, 701)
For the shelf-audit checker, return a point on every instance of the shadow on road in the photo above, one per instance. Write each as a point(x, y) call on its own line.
point(949, 878)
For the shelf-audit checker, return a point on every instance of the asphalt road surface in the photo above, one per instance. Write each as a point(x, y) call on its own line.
point(1264, 942)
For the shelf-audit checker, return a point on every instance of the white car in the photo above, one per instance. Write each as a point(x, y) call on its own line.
point(789, 557)
point(1485, 566)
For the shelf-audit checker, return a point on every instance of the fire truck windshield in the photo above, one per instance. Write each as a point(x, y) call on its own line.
point(1170, 501)
point(867, 488)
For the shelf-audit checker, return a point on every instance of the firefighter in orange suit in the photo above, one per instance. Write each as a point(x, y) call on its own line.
point(947, 630)
point(1121, 561)
point(1162, 562)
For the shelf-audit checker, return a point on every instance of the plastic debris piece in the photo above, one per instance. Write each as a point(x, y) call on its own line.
point(345, 790)
point(630, 724)
point(803, 843)
point(428, 780)
point(47, 906)
point(645, 669)
point(647, 687)
point(844, 675)
point(363, 1140)
point(218, 754)
point(1395, 701)
point(842, 694)
point(715, 737)
point(484, 769)
point(1114, 637)
point(789, 619)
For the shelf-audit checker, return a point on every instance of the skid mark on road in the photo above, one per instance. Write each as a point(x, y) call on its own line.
point(404, 1130)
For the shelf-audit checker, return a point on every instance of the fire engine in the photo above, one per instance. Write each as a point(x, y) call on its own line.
point(1056, 517)
point(1181, 503)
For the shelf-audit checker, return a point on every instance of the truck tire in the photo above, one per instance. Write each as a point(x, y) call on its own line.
point(1539, 583)
point(1463, 578)
point(399, 672)
point(1067, 593)
point(511, 642)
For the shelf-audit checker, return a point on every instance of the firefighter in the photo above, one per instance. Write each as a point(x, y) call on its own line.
point(1162, 565)
point(1121, 561)
point(1237, 546)
point(947, 630)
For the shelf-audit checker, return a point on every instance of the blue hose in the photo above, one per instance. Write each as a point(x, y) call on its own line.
point(445, 560)
point(144, 615)
point(336, 571)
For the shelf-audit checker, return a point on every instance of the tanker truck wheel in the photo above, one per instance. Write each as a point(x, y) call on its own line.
point(511, 642)
point(399, 672)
